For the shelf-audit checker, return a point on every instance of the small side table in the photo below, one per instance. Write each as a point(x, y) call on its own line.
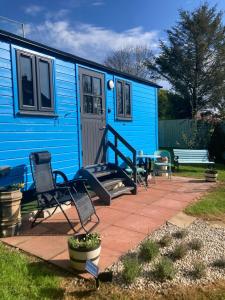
point(147, 158)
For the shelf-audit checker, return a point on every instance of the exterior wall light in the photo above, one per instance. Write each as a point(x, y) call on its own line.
point(111, 84)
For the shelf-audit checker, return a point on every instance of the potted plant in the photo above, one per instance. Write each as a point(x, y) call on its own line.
point(10, 215)
point(211, 175)
point(162, 159)
point(83, 247)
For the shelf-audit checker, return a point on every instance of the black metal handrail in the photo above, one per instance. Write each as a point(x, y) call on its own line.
point(117, 137)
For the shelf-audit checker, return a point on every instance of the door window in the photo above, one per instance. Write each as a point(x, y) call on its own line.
point(92, 95)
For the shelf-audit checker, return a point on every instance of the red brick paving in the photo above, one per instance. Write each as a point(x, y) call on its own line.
point(123, 225)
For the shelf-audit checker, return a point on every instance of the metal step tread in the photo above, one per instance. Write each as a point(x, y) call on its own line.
point(104, 173)
point(121, 190)
point(111, 181)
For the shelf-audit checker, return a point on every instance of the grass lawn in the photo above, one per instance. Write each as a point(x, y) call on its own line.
point(24, 278)
point(197, 171)
point(212, 205)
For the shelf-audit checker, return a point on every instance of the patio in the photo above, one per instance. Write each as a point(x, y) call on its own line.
point(123, 225)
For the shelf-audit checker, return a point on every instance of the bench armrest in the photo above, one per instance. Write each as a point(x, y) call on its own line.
point(211, 158)
point(176, 158)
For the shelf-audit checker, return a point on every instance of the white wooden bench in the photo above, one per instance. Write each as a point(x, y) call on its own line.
point(188, 156)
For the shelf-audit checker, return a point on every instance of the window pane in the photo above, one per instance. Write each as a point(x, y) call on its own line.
point(27, 80)
point(119, 98)
point(127, 100)
point(45, 84)
point(87, 84)
point(88, 105)
point(98, 106)
point(96, 86)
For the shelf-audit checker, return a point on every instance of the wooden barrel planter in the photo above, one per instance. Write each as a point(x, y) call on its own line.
point(10, 215)
point(80, 254)
point(211, 175)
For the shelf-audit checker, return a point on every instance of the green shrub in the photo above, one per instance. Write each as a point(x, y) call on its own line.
point(199, 269)
point(131, 269)
point(164, 269)
point(149, 250)
point(86, 241)
point(195, 244)
point(179, 251)
point(180, 234)
point(165, 241)
point(220, 262)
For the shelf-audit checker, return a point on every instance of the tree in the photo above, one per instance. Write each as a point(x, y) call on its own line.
point(193, 59)
point(131, 60)
point(172, 106)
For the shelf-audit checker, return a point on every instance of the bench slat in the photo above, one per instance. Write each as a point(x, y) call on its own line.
point(189, 156)
point(185, 161)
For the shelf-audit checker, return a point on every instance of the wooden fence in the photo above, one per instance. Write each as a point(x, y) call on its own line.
point(181, 133)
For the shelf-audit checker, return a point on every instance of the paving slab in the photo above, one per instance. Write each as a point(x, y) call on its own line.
point(181, 220)
point(123, 225)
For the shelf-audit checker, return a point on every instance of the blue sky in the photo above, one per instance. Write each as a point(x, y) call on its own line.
point(92, 28)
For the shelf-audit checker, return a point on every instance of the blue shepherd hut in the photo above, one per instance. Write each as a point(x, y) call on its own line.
point(90, 117)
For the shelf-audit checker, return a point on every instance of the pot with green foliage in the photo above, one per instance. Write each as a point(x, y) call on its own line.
point(211, 175)
point(84, 247)
point(10, 215)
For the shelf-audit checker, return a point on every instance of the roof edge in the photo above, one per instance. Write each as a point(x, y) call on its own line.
point(24, 41)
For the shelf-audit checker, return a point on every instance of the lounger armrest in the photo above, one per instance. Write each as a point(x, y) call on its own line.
point(79, 179)
point(60, 173)
point(62, 188)
point(59, 188)
point(75, 181)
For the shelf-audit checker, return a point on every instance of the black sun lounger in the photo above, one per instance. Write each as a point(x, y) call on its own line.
point(52, 195)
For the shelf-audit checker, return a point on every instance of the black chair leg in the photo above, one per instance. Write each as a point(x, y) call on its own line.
point(65, 215)
point(34, 223)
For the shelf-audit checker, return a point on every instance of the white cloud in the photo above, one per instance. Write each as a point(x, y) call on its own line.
point(165, 84)
point(33, 9)
point(56, 15)
point(90, 41)
point(98, 3)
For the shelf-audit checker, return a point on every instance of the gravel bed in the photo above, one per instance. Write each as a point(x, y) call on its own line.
point(213, 248)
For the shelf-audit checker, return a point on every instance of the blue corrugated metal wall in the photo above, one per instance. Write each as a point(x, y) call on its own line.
point(20, 135)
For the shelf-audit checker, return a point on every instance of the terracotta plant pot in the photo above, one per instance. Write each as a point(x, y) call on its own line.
point(10, 215)
point(211, 176)
point(79, 256)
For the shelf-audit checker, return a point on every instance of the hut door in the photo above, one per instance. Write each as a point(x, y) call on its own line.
point(92, 101)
